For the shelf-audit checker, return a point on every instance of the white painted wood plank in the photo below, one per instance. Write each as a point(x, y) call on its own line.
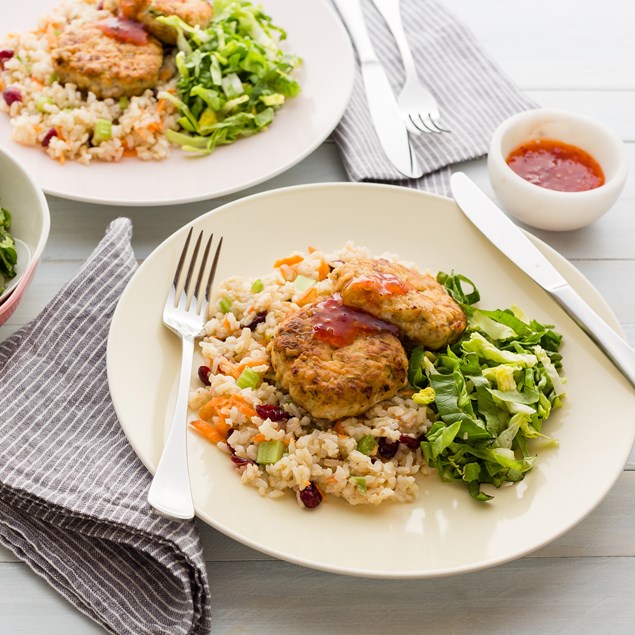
point(29, 605)
point(613, 108)
point(566, 44)
point(531, 596)
point(551, 595)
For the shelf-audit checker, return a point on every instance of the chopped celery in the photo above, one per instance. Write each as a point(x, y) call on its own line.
point(270, 452)
point(366, 445)
point(123, 102)
point(302, 283)
point(42, 102)
point(361, 483)
point(103, 131)
point(248, 379)
point(257, 286)
point(224, 305)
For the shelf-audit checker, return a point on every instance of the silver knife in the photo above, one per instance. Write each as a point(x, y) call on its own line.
point(382, 103)
point(508, 238)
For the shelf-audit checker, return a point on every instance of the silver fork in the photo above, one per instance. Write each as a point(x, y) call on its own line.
point(418, 106)
point(170, 492)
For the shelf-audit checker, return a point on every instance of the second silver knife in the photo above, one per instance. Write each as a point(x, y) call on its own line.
point(382, 104)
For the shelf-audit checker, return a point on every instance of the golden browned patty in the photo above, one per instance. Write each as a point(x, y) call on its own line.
point(334, 382)
point(416, 303)
point(94, 61)
point(192, 12)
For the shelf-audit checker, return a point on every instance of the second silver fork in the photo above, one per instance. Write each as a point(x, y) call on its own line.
point(418, 106)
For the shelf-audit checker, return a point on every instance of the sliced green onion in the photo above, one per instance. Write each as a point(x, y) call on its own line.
point(257, 286)
point(123, 102)
point(302, 283)
point(103, 131)
point(270, 452)
point(367, 444)
point(224, 305)
point(248, 379)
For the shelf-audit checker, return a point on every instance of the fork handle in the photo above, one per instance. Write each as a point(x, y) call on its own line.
point(353, 17)
point(170, 493)
point(391, 13)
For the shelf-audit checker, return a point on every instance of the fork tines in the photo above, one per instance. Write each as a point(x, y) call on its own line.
point(196, 266)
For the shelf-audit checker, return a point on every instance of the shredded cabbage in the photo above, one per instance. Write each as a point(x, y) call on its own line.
point(233, 76)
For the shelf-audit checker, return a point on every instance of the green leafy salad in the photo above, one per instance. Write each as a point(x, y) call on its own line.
point(8, 254)
point(233, 76)
point(491, 390)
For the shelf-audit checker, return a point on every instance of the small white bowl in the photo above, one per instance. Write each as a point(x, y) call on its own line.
point(550, 209)
point(23, 197)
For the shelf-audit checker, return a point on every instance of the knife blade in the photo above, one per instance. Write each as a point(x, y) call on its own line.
point(382, 104)
point(508, 238)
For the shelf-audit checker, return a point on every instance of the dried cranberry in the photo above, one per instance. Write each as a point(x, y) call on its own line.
point(100, 5)
point(5, 55)
point(259, 318)
point(48, 136)
point(275, 413)
point(203, 374)
point(409, 441)
point(387, 449)
point(311, 496)
point(11, 95)
point(240, 461)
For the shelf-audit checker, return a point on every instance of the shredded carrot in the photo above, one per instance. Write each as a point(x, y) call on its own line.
point(310, 295)
point(129, 152)
point(213, 433)
point(323, 270)
point(242, 405)
point(160, 105)
point(311, 249)
point(259, 438)
point(155, 126)
point(212, 407)
point(339, 429)
point(289, 260)
point(331, 479)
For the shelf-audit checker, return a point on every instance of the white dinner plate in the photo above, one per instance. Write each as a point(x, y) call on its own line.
point(444, 531)
point(314, 32)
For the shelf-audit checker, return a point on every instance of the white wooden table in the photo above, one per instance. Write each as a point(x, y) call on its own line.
point(575, 54)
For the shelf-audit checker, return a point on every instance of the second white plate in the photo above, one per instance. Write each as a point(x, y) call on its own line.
point(315, 33)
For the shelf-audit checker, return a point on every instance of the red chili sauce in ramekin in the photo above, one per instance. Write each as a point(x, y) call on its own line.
point(556, 166)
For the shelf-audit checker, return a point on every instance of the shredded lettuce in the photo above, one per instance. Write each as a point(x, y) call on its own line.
point(232, 76)
point(491, 392)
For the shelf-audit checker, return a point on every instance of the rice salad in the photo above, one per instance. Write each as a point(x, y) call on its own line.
point(105, 79)
point(138, 124)
point(242, 409)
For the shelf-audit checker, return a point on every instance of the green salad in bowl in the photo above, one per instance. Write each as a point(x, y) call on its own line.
point(8, 252)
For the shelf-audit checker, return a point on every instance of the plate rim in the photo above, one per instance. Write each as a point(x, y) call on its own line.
point(354, 571)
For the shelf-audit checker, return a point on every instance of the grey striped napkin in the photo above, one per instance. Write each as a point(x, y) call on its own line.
point(474, 96)
point(72, 491)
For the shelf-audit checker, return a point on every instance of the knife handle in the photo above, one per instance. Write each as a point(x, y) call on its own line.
point(391, 12)
point(353, 17)
point(616, 348)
